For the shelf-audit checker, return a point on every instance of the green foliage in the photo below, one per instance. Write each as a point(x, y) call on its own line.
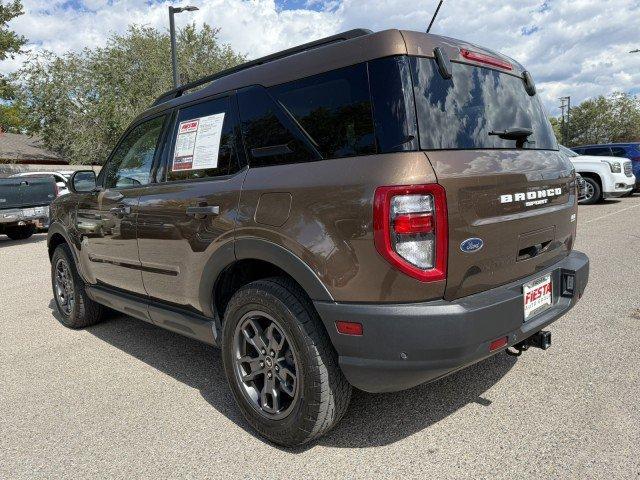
point(10, 42)
point(80, 103)
point(603, 120)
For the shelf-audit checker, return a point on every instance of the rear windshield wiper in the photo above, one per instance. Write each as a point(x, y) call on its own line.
point(520, 135)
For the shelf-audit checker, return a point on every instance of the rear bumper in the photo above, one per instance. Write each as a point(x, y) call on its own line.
point(409, 344)
point(15, 215)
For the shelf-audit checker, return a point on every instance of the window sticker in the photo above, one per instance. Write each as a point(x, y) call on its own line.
point(198, 143)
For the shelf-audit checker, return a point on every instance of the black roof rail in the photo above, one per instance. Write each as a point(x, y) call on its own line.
point(177, 92)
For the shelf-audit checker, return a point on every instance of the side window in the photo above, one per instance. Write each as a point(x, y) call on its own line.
point(619, 152)
point(204, 141)
point(393, 104)
point(271, 137)
point(131, 162)
point(598, 151)
point(334, 110)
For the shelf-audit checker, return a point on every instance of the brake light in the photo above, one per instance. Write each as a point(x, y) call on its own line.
point(411, 229)
point(486, 59)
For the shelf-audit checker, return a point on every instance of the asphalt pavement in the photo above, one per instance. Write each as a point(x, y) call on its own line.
point(125, 399)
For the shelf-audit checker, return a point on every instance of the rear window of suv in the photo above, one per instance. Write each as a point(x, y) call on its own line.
point(459, 113)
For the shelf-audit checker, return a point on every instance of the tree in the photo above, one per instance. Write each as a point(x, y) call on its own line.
point(10, 44)
point(80, 103)
point(603, 120)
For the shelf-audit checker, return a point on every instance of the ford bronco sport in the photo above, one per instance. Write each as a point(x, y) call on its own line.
point(374, 210)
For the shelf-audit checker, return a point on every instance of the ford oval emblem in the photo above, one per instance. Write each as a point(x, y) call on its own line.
point(471, 245)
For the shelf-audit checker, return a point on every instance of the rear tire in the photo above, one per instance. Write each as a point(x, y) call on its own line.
point(75, 308)
point(20, 232)
point(594, 192)
point(276, 316)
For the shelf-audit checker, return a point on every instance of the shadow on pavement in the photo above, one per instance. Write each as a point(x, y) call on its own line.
point(36, 238)
point(372, 420)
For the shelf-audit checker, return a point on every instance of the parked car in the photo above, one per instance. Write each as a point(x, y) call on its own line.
point(24, 205)
point(606, 177)
point(623, 150)
point(61, 178)
point(359, 211)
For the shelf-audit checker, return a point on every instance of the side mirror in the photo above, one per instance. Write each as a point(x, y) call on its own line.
point(83, 181)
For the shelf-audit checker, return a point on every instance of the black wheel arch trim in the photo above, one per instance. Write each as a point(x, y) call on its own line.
point(260, 249)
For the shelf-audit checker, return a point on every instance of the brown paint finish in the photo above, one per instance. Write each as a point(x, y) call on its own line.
point(475, 181)
point(273, 209)
point(174, 246)
point(330, 227)
point(105, 223)
point(322, 211)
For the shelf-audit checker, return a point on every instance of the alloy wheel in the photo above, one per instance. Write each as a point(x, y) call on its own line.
point(265, 365)
point(65, 291)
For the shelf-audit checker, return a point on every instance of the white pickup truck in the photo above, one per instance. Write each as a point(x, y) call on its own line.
point(606, 177)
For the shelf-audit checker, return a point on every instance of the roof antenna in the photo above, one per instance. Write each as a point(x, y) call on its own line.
point(435, 15)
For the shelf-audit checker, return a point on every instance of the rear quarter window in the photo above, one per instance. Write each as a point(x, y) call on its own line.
point(334, 109)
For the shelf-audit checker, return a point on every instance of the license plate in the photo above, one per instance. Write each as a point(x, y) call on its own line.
point(537, 296)
point(29, 212)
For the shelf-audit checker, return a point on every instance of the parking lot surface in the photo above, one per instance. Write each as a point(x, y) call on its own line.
point(125, 399)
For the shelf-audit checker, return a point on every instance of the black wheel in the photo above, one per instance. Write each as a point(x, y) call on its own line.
point(21, 232)
point(594, 192)
point(76, 309)
point(280, 363)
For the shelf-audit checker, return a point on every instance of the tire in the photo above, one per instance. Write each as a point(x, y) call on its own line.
point(20, 233)
point(75, 308)
point(321, 393)
point(594, 192)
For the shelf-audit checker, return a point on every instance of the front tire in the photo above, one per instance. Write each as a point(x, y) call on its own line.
point(281, 366)
point(594, 192)
point(75, 308)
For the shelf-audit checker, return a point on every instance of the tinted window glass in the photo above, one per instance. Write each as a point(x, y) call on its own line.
point(598, 151)
point(131, 162)
point(619, 152)
point(204, 141)
point(393, 107)
point(271, 138)
point(459, 113)
point(334, 109)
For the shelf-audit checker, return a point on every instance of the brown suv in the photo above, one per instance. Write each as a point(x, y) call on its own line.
point(371, 209)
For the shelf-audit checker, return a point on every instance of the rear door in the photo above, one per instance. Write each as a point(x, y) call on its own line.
point(520, 202)
point(188, 217)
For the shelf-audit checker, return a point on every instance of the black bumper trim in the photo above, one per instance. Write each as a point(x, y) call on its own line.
point(409, 344)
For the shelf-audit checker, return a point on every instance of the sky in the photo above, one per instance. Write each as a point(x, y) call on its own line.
point(572, 47)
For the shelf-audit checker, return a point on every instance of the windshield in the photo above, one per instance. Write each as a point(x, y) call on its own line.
point(461, 112)
point(567, 152)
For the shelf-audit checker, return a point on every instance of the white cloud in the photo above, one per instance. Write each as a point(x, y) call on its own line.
point(573, 47)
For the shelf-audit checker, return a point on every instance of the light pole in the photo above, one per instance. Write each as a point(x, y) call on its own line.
point(172, 33)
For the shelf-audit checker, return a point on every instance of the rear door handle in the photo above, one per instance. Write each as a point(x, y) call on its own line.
point(201, 212)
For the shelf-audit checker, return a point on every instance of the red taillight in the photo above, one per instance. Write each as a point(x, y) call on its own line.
point(349, 328)
point(486, 59)
point(499, 343)
point(411, 229)
point(413, 223)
